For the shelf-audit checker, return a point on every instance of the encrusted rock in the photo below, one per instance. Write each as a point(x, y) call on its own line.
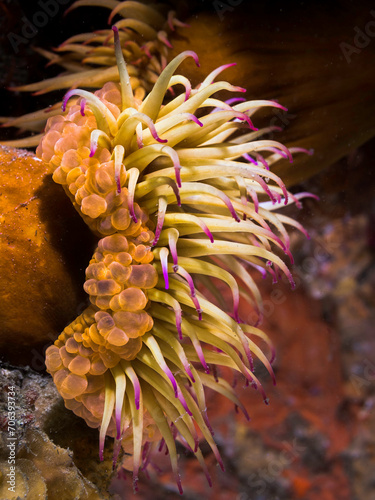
point(41, 271)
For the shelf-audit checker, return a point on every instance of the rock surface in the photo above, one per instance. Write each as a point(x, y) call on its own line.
point(46, 467)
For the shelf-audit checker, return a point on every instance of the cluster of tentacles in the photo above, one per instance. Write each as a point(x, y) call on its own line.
point(88, 58)
point(177, 193)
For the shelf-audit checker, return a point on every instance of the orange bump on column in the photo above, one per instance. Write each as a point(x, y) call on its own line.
point(131, 299)
point(93, 206)
point(143, 276)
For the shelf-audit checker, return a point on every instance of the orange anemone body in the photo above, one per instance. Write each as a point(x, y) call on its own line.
point(119, 273)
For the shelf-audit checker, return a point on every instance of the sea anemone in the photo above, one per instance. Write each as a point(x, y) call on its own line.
point(177, 192)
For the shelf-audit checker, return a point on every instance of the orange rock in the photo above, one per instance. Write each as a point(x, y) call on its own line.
point(44, 250)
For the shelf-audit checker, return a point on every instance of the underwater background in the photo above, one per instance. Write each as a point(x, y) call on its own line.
point(316, 439)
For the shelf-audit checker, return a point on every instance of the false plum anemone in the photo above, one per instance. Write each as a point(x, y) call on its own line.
point(177, 193)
